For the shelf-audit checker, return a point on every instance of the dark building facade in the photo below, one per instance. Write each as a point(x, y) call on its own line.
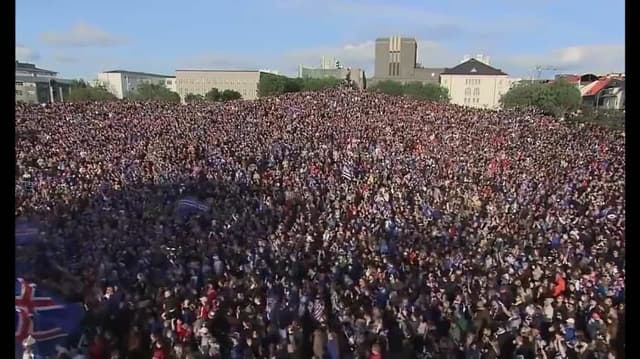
point(396, 60)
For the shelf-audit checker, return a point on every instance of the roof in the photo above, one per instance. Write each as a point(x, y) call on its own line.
point(31, 79)
point(473, 67)
point(595, 87)
point(23, 66)
point(136, 73)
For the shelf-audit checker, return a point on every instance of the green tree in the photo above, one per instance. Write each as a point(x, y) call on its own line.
point(191, 98)
point(418, 90)
point(229, 95)
point(565, 98)
point(154, 92)
point(80, 91)
point(429, 91)
point(388, 87)
point(273, 85)
point(557, 98)
point(212, 95)
point(311, 84)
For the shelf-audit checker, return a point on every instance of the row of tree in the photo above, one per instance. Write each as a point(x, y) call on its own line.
point(273, 85)
point(81, 91)
point(214, 95)
point(428, 91)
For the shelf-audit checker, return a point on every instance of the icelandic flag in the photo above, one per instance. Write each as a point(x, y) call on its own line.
point(347, 171)
point(190, 205)
point(27, 232)
point(48, 320)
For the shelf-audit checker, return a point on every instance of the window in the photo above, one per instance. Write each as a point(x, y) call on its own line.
point(467, 91)
point(476, 91)
point(19, 83)
point(19, 92)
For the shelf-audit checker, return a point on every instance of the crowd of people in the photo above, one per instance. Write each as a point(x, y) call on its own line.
point(338, 224)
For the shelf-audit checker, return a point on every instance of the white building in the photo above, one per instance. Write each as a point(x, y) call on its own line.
point(123, 83)
point(475, 84)
point(329, 63)
point(199, 82)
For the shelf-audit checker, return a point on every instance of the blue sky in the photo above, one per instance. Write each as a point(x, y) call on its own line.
point(81, 38)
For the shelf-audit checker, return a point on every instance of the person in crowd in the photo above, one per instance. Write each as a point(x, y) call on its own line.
point(336, 224)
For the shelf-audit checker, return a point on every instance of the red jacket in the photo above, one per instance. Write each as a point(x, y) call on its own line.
point(560, 287)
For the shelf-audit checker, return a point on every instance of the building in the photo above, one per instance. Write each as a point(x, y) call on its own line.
point(199, 82)
point(356, 75)
point(604, 93)
point(122, 83)
point(601, 92)
point(36, 85)
point(329, 63)
point(475, 84)
point(396, 60)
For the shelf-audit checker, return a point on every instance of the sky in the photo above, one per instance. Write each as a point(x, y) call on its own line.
point(79, 39)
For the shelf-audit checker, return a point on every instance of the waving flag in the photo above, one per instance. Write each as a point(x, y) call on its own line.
point(347, 171)
point(190, 205)
point(48, 320)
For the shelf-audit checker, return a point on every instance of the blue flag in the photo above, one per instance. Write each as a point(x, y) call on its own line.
point(45, 318)
point(190, 205)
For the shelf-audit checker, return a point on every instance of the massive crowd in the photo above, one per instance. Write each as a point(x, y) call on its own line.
point(339, 224)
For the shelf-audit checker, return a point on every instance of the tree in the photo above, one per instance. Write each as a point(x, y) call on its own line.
point(154, 92)
point(565, 98)
point(418, 90)
point(273, 85)
point(213, 95)
point(192, 98)
point(388, 87)
point(557, 98)
point(429, 91)
point(311, 84)
point(229, 95)
point(81, 91)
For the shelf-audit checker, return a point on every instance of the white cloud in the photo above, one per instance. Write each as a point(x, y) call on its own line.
point(594, 58)
point(82, 35)
point(26, 54)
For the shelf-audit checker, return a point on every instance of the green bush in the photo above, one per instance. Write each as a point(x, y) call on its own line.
point(154, 92)
point(558, 98)
point(80, 91)
point(418, 90)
